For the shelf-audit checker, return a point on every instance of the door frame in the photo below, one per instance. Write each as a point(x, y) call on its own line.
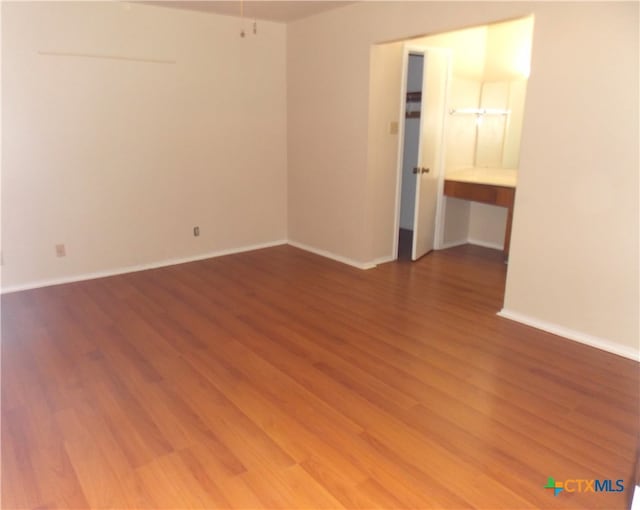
point(440, 211)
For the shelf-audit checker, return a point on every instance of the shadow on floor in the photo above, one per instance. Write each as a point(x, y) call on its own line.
point(405, 241)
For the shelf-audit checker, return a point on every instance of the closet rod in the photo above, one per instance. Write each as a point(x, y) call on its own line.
point(478, 111)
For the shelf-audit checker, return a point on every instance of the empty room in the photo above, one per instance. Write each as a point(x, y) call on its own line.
point(289, 254)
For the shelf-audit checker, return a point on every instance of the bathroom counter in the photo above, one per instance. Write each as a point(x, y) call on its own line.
point(507, 177)
point(494, 186)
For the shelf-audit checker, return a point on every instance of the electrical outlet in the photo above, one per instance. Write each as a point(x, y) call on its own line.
point(196, 231)
point(61, 251)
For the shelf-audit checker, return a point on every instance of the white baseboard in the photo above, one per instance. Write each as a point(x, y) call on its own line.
point(485, 244)
point(635, 500)
point(571, 334)
point(333, 256)
point(452, 244)
point(477, 242)
point(139, 267)
point(384, 260)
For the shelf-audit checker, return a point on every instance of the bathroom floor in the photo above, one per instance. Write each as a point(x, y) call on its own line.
point(405, 241)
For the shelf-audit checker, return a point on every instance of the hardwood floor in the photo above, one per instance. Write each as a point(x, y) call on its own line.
point(278, 379)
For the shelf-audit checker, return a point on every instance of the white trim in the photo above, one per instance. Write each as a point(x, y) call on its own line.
point(407, 50)
point(452, 244)
point(384, 260)
point(400, 149)
point(635, 501)
point(139, 267)
point(438, 235)
point(332, 256)
point(485, 244)
point(571, 334)
point(438, 231)
point(476, 242)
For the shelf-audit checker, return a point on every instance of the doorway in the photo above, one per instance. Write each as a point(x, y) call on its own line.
point(413, 91)
point(425, 74)
point(484, 107)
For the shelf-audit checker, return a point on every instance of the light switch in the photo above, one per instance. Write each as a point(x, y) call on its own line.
point(393, 128)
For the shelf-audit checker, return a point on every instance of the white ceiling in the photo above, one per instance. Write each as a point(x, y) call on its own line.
point(281, 11)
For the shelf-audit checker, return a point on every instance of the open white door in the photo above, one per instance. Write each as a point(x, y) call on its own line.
point(430, 155)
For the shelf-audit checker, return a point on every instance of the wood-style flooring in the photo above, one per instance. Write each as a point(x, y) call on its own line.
point(279, 379)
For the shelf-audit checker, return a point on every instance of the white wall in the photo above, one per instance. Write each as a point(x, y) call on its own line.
point(119, 159)
point(491, 131)
point(487, 225)
point(460, 153)
point(508, 50)
point(468, 49)
point(574, 252)
point(513, 134)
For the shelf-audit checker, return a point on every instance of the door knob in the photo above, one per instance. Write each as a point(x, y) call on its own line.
point(425, 170)
point(416, 170)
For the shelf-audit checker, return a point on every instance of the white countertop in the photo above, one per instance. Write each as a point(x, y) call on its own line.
point(495, 176)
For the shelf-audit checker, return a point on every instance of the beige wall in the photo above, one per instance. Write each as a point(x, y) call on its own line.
point(574, 260)
point(574, 253)
point(468, 50)
point(120, 159)
point(384, 108)
point(508, 50)
point(327, 108)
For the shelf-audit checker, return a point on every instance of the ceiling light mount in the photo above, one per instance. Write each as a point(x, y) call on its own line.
point(243, 33)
